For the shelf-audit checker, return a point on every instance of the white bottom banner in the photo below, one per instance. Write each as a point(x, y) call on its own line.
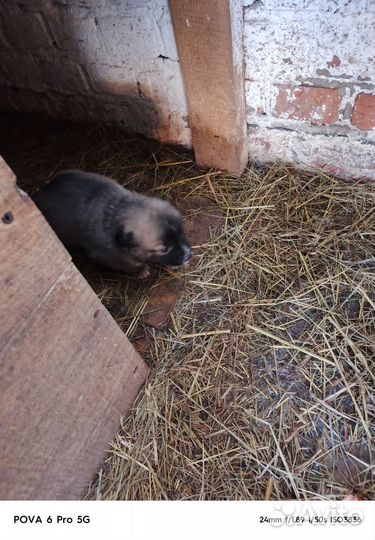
point(106, 520)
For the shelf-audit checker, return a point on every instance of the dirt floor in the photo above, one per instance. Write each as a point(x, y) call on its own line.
point(262, 379)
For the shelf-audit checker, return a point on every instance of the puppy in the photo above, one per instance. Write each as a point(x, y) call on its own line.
point(116, 227)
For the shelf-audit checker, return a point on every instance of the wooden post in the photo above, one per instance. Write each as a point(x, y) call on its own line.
point(67, 371)
point(209, 41)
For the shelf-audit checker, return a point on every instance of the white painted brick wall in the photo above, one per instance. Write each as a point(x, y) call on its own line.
point(313, 43)
point(116, 61)
point(112, 60)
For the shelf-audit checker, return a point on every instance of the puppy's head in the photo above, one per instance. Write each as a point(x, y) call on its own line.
point(152, 233)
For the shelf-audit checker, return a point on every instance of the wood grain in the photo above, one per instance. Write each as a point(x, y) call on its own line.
point(209, 41)
point(67, 371)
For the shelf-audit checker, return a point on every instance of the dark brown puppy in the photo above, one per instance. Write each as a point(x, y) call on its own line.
point(116, 227)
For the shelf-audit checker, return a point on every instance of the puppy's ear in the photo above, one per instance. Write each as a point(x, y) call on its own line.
point(125, 239)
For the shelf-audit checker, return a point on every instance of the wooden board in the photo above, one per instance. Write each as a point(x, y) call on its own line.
point(67, 371)
point(209, 41)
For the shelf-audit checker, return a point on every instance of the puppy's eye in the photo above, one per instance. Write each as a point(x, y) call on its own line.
point(165, 250)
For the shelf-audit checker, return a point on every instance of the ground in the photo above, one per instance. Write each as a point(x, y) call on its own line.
point(262, 381)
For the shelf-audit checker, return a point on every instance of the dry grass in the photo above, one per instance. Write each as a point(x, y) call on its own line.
point(263, 385)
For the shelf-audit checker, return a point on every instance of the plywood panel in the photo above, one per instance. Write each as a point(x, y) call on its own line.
point(67, 372)
point(209, 41)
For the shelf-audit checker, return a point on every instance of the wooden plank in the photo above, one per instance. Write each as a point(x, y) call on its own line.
point(67, 371)
point(209, 42)
point(28, 233)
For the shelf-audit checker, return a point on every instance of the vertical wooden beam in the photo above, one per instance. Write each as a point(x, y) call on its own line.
point(209, 41)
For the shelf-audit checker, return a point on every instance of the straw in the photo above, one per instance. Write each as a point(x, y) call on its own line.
point(262, 386)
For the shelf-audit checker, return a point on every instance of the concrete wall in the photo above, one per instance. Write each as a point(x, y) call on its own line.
point(310, 73)
point(111, 60)
point(310, 80)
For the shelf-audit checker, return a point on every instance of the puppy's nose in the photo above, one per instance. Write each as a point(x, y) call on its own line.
point(187, 253)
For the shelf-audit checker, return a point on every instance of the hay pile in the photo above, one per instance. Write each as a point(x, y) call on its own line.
point(262, 387)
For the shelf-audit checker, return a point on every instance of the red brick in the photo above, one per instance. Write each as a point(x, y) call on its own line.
point(363, 115)
point(309, 103)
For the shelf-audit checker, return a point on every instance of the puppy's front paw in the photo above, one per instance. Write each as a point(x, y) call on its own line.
point(144, 273)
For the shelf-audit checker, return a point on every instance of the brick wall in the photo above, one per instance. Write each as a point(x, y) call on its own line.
point(309, 64)
point(310, 83)
point(111, 60)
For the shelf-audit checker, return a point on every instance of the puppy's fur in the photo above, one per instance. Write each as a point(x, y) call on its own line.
point(116, 227)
